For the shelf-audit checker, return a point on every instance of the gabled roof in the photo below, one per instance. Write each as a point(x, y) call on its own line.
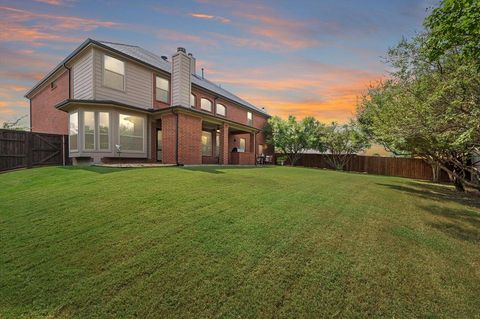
point(144, 56)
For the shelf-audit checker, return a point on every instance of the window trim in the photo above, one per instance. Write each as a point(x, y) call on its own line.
point(249, 120)
point(97, 117)
point(69, 135)
point(224, 109)
point(240, 143)
point(168, 91)
point(194, 100)
point(94, 131)
point(211, 144)
point(211, 105)
point(124, 75)
point(143, 133)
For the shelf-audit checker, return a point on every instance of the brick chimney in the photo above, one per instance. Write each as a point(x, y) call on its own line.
point(181, 78)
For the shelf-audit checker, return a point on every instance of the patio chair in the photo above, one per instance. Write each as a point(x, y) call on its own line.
point(268, 159)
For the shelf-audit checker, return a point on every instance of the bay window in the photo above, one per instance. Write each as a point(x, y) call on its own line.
point(131, 131)
point(89, 130)
point(103, 130)
point(73, 132)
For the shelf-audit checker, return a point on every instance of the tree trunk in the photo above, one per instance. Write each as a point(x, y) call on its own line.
point(435, 172)
point(459, 187)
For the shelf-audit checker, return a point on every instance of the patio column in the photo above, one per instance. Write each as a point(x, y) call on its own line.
point(252, 149)
point(223, 160)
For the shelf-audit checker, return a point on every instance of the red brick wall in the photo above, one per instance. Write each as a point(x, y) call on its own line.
point(233, 113)
point(169, 138)
point(154, 125)
point(44, 116)
point(189, 135)
point(234, 141)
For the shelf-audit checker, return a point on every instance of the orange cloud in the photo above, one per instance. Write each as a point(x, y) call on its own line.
point(209, 17)
point(325, 91)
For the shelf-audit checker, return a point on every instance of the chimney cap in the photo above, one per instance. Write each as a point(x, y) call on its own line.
point(180, 49)
point(164, 57)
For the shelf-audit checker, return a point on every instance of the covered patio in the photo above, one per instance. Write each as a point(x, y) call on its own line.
point(224, 144)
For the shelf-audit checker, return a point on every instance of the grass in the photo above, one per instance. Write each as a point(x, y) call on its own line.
point(234, 242)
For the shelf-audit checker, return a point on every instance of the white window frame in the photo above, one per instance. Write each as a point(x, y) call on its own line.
point(242, 150)
point(94, 131)
point(224, 109)
point(250, 118)
point(211, 104)
point(104, 69)
point(97, 117)
point(211, 143)
point(158, 88)
point(143, 133)
point(194, 100)
point(69, 128)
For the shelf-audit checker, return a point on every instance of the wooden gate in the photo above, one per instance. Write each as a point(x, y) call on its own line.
point(19, 149)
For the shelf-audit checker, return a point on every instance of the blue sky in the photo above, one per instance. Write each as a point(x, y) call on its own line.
point(291, 57)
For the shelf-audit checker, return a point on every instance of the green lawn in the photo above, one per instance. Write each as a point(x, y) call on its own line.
point(234, 243)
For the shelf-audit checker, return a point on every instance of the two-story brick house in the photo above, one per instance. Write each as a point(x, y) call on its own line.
point(120, 102)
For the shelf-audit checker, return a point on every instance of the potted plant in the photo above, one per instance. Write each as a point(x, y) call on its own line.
point(281, 159)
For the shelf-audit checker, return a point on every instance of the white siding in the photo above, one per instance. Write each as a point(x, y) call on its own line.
point(181, 85)
point(138, 84)
point(82, 71)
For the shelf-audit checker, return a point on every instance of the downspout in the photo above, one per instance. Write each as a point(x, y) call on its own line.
point(30, 100)
point(69, 80)
point(176, 147)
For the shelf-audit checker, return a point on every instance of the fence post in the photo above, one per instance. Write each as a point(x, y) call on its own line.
point(29, 146)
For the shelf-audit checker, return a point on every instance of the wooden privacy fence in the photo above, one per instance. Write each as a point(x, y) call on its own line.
point(19, 149)
point(388, 166)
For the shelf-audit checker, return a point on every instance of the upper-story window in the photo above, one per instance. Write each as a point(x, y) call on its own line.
point(193, 99)
point(249, 118)
point(221, 109)
point(114, 73)
point(206, 105)
point(162, 89)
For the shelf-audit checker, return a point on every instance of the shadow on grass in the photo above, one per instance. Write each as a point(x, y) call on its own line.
point(219, 169)
point(461, 224)
point(437, 192)
point(101, 170)
point(458, 223)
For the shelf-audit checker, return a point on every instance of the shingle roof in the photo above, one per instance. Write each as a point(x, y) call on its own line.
point(156, 61)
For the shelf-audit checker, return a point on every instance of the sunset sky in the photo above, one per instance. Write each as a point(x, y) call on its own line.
point(291, 57)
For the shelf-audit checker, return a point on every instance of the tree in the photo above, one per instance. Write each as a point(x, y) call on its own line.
point(342, 142)
point(292, 137)
point(430, 109)
point(15, 124)
point(454, 26)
